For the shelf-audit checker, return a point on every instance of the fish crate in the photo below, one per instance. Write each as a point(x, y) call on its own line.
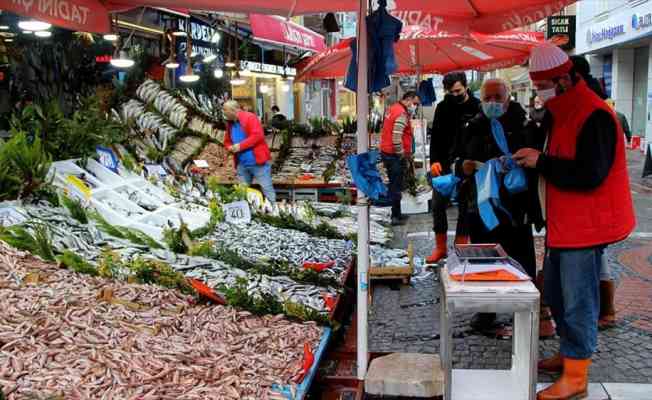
point(305, 195)
point(283, 194)
point(389, 272)
point(416, 205)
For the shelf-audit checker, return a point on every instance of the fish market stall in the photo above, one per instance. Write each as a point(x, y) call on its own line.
point(77, 336)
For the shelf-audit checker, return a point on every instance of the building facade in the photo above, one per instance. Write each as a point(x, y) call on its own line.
point(616, 36)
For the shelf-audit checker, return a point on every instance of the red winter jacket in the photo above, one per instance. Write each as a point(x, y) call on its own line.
point(581, 219)
point(255, 138)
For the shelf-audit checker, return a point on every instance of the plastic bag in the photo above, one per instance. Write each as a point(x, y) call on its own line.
point(446, 185)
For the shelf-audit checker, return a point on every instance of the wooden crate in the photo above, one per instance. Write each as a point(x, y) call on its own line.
point(394, 273)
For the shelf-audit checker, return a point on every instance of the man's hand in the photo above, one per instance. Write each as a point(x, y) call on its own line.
point(234, 149)
point(436, 169)
point(468, 167)
point(527, 157)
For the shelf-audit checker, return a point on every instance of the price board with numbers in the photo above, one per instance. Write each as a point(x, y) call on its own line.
point(237, 212)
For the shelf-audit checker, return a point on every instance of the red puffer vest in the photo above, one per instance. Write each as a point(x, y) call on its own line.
point(386, 143)
point(580, 219)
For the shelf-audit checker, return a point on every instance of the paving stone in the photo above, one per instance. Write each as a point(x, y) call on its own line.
point(405, 374)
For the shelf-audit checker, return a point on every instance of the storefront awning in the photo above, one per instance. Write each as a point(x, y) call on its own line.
point(279, 31)
point(77, 15)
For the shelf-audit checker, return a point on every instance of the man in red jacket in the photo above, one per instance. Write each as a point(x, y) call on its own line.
point(395, 145)
point(245, 139)
point(585, 195)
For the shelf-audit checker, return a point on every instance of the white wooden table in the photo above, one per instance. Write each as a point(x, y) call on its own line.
point(519, 298)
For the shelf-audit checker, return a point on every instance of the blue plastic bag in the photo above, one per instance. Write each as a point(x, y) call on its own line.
point(446, 185)
point(515, 180)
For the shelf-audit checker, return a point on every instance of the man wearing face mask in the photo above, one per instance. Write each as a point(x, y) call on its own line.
point(587, 203)
point(537, 112)
point(396, 146)
point(514, 229)
point(451, 116)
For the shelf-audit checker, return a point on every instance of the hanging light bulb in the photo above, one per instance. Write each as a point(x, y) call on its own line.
point(179, 33)
point(123, 61)
point(111, 37)
point(285, 87)
point(264, 89)
point(27, 32)
point(218, 73)
point(190, 76)
point(43, 34)
point(172, 64)
point(210, 59)
point(33, 25)
point(4, 28)
point(229, 64)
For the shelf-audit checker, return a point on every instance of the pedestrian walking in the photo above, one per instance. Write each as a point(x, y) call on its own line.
point(245, 139)
point(396, 147)
point(451, 116)
point(587, 201)
point(622, 119)
point(583, 68)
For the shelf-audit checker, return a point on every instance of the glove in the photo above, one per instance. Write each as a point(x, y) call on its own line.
point(468, 167)
point(436, 169)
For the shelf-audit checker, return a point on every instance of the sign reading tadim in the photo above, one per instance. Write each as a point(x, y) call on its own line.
point(80, 15)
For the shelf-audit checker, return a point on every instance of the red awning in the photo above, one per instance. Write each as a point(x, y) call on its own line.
point(77, 15)
point(279, 31)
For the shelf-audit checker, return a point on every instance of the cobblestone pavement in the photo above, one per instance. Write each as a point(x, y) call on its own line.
point(405, 318)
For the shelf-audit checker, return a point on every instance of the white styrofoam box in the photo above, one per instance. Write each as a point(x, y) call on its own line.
point(415, 205)
point(62, 169)
point(148, 202)
point(151, 231)
point(153, 191)
point(172, 215)
point(102, 173)
point(120, 206)
point(306, 194)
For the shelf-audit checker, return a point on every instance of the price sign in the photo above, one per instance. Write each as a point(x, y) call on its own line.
point(201, 163)
point(237, 212)
point(107, 158)
point(155, 170)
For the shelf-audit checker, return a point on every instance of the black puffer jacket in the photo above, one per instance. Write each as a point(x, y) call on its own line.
point(481, 146)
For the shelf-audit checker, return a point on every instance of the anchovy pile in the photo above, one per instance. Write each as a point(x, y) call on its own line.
point(257, 241)
point(390, 258)
point(88, 241)
point(67, 335)
point(152, 93)
point(184, 149)
point(305, 160)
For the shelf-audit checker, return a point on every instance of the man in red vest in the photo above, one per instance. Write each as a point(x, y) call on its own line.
point(585, 195)
point(395, 145)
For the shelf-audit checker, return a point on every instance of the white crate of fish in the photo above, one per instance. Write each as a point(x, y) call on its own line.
point(62, 170)
point(153, 191)
point(139, 198)
point(111, 204)
point(385, 263)
point(172, 217)
point(103, 174)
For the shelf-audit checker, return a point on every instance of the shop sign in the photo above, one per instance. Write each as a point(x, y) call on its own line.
point(641, 21)
point(562, 26)
point(280, 31)
point(267, 68)
point(607, 33)
point(202, 36)
point(103, 59)
point(78, 15)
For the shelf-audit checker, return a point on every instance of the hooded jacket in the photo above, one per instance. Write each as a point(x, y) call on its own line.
point(254, 140)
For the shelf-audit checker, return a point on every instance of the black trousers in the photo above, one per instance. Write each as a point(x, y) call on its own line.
point(394, 165)
point(440, 219)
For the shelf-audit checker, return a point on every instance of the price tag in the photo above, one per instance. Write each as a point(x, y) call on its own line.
point(77, 188)
point(107, 158)
point(237, 212)
point(201, 163)
point(155, 170)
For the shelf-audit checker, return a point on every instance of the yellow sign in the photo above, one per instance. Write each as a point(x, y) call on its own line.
point(78, 187)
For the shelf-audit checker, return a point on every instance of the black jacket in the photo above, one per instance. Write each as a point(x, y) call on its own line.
point(447, 128)
point(481, 146)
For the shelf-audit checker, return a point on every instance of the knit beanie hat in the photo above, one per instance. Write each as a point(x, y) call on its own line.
point(548, 61)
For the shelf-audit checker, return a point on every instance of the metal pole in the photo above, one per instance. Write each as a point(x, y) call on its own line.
point(362, 105)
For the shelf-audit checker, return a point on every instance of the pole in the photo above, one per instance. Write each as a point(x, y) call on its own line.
point(362, 105)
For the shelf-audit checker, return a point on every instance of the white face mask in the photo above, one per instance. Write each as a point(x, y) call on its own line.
point(546, 94)
point(412, 109)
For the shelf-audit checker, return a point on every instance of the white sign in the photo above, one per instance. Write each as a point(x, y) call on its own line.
point(267, 68)
point(201, 163)
point(155, 170)
point(237, 212)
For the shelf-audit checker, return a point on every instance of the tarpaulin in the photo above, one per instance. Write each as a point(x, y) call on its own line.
point(77, 15)
point(279, 31)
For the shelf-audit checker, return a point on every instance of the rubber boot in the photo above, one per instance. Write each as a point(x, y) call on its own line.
point(607, 309)
point(552, 364)
point(462, 240)
point(573, 383)
point(441, 249)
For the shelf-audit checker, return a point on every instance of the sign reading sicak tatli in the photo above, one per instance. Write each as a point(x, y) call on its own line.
point(562, 26)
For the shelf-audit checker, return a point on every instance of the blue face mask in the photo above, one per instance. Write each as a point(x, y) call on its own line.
point(493, 109)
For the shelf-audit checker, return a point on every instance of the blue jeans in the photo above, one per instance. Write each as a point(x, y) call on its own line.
point(263, 176)
point(572, 290)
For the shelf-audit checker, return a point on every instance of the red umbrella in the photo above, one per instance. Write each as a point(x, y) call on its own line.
point(425, 51)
